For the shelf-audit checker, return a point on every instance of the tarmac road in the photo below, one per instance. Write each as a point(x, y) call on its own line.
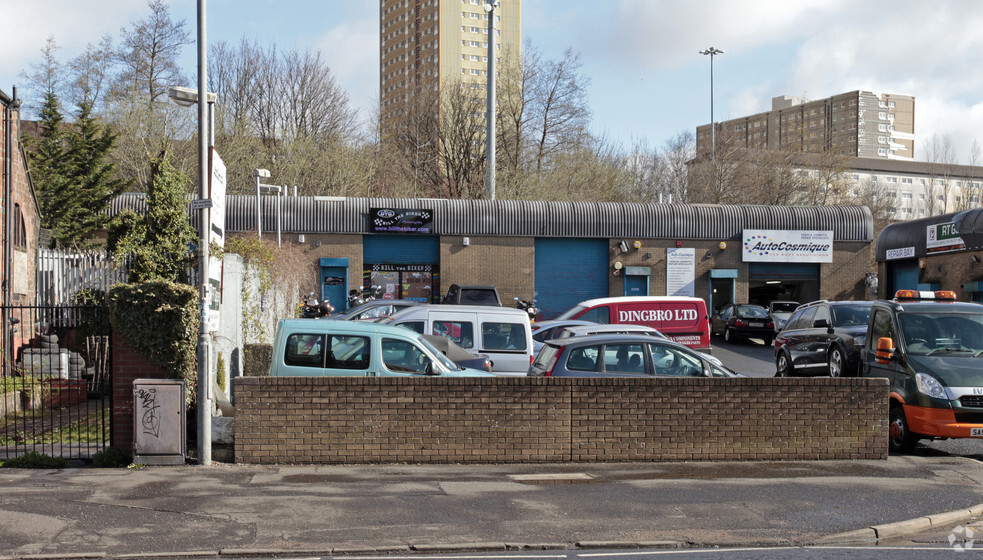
point(261, 511)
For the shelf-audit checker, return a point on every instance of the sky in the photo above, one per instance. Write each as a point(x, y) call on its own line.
point(647, 80)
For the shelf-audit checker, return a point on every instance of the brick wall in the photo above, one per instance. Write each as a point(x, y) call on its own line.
point(128, 365)
point(490, 420)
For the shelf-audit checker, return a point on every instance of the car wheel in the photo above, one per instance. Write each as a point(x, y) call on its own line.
point(782, 366)
point(728, 335)
point(901, 438)
point(767, 341)
point(836, 362)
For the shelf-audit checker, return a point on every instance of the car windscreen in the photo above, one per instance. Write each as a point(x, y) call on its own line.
point(572, 312)
point(752, 311)
point(942, 333)
point(478, 297)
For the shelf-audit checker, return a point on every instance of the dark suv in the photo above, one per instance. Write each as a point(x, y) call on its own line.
point(823, 337)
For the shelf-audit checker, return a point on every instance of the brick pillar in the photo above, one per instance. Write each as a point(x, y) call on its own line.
point(127, 366)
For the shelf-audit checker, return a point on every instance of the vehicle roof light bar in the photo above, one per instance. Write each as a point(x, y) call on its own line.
point(916, 295)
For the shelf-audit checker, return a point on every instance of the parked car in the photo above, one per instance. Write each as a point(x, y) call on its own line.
point(374, 309)
point(586, 330)
point(503, 333)
point(546, 330)
point(471, 295)
point(682, 319)
point(780, 311)
point(928, 345)
point(622, 355)
point(822, 337)
point(302, 347)
point(742, 321)
point(459, 355)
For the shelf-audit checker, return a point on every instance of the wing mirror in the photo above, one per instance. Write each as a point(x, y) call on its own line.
point(885, 350)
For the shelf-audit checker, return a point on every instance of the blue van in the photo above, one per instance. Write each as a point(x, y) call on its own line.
point(315, 347)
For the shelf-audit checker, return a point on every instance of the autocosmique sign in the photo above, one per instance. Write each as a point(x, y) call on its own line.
point(400, 220)
point(765, 245)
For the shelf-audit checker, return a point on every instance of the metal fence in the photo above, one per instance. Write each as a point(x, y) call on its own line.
point(63, 274)
point(56, 381)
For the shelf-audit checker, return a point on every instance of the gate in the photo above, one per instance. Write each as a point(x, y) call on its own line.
point(56, 381)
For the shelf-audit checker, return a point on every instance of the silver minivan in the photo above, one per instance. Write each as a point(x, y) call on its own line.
point(503, 333)
point(312, 347)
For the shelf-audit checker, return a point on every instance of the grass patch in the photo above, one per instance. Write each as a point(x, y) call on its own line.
point(34, 460)
point(92, 429)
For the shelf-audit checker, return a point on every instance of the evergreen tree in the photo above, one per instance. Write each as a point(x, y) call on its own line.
point(161, 242)
point(49, 164)
point(94, 183)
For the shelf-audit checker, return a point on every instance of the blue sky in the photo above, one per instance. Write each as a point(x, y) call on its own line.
point(648, 82)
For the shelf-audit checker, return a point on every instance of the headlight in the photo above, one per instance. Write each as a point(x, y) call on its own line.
point(930, 386)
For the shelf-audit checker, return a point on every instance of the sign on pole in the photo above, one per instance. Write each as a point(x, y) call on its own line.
point(216, 234)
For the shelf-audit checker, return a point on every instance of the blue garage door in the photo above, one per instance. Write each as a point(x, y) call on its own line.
point(569, 271)
point(400, 249)
point(904, 277)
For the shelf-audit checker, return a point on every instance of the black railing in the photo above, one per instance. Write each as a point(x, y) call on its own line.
point(56, 381)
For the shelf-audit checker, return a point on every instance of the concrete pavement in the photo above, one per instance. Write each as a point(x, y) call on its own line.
point(229, 510)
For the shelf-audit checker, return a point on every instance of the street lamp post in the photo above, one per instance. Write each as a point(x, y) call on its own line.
point(259, 174)
point(490, 119)
point(713, 143)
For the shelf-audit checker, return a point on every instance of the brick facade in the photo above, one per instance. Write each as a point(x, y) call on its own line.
point(128, 365)
point(326, 420)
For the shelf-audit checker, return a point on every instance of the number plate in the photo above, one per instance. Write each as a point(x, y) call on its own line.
point(976, 432)
point(753, 324)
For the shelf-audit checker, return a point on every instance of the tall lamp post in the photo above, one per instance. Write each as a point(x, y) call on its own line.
point(712, 51)
point(259, 174)
point(490, 119)
point(260, 189)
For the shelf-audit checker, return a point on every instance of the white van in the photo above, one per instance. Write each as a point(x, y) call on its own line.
point(503, 333)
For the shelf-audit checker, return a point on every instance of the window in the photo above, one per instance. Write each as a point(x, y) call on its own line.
point(906, 180)
point(503, 336)
point(667, 360)
point(348, 352)
point(583, 358)
point(624, 358)
point(415, 326)
point(305, 350)
point(461, 332)
point(20, 229)
point(600, 314)
point(403, 356)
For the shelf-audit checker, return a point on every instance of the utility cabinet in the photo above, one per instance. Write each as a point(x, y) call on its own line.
point(159, 426)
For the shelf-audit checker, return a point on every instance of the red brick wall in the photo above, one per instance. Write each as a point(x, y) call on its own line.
point(491, 420)
point(128, 365)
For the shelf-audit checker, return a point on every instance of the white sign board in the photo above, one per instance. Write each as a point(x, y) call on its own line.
point(941, 238)
point(216, 235)
point(803, 246)
point(902, 253)
point(681, 272)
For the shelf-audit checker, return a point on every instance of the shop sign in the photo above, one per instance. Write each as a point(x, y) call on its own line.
point(401, 267)
point(400, 220)
point(902, 253)
point(804, 246)
point(681, 272)
point(941, 238)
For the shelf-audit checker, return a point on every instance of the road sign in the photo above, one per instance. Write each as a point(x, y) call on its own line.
point(201, 203)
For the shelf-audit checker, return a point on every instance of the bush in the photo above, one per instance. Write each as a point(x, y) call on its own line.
point(112, 457)
point(35, 460)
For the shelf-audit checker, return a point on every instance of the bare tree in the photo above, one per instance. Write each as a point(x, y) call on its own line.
point(940, 183)
point(45, 77)
point(148, 55)
point(89, 73)
point(557, 101)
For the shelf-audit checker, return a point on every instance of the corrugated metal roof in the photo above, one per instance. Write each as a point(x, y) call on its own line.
point(542, 218)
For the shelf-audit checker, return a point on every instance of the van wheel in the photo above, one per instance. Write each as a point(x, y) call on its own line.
point(901, 438)
point(836, 362)
point(782, 366)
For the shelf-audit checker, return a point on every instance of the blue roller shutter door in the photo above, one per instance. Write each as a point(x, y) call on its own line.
point(569, 271)
point(905, 276)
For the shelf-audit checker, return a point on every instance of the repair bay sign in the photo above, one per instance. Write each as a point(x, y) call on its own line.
point(803, 246)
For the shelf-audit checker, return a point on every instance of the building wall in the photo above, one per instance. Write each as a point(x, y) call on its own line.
point(23, 268)
point(338, 420)
point(509, 264)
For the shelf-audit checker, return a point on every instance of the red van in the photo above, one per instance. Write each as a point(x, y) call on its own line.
point(682, 319)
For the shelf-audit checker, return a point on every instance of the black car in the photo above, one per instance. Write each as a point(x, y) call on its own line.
point(742, 321)
point(823, 337)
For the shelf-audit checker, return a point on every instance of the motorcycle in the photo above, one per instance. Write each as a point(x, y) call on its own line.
point(529, 306)
point(312, 309)
point(354, 298)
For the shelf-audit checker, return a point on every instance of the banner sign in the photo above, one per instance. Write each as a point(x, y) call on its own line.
point(902, 253)
point(400, 220)
point(804, 246)
point(941, 238)
point(681, 272)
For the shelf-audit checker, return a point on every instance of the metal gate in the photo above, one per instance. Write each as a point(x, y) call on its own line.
point(56, 381)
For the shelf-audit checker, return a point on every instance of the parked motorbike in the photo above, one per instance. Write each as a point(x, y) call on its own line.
point(529, 306)
point(312, 309)
point(355, 298)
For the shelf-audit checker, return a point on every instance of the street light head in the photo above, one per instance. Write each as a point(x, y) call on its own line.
point(712, 51)
point(489, 6)
point(186, 97)
point(261, 173)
